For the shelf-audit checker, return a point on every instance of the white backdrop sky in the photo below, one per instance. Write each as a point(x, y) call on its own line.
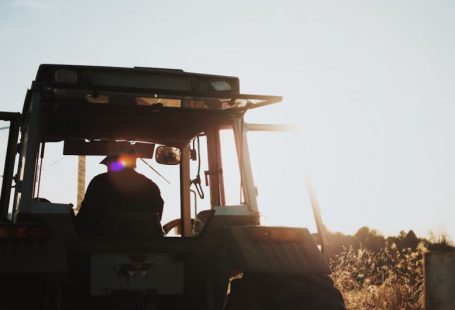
point(370, 82)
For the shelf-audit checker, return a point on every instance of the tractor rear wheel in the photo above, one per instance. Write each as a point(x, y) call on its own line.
point(263, 292)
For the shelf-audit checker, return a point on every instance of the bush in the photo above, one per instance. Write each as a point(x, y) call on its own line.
point(388, 278)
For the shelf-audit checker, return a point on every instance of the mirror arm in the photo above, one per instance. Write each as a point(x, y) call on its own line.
point(150, 166)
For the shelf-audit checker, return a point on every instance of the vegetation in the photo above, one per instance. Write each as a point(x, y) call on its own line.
point(373, 272)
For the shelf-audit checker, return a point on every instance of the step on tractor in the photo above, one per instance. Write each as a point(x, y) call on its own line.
point(210, 253)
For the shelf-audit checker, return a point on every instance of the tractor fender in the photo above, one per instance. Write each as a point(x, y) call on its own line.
point(274, 250)
point(45, 256)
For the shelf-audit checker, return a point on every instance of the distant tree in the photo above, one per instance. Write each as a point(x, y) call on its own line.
point(410, 240)
point(337, 242)
point(369, 238)
point(402, 234)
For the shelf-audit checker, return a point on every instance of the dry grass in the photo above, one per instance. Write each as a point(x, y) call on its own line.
point(387, 279)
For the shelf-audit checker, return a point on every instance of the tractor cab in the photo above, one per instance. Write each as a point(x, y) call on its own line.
point(188, 134)
point(95, 111)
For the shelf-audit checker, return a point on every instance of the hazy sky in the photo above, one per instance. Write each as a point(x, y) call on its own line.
point(370, 82)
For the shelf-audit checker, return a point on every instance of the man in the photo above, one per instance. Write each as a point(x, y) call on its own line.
point(120, 191)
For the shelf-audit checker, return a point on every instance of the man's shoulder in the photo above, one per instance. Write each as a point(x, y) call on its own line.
point(100, 178)
point(144, 178)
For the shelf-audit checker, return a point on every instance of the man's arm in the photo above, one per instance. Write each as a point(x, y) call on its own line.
point(159, 202)
point(155, 198)
point(86, 218)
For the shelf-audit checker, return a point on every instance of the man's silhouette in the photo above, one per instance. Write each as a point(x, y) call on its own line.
point(119, 191)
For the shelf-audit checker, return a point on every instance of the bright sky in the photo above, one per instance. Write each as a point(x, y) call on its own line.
point(370, 82)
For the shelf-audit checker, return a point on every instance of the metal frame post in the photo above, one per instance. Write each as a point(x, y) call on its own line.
point(185, 201)
point(14, 119)
point(212, 152)
point(29, 150)
point(246, 171)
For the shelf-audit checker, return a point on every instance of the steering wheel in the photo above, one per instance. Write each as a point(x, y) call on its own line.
point(41, 199)
point(173, 224)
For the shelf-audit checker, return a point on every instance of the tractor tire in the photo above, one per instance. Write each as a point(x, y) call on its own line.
point(264, 292)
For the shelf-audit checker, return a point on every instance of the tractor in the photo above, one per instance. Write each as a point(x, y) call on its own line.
point(213, 255)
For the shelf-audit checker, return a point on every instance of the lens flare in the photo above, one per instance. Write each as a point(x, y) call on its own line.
point(128, 161)
point(116, 165)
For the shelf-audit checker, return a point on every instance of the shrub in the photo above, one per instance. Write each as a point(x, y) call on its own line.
point(388, 278)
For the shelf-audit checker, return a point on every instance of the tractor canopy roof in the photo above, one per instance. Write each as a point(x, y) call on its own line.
point(165, 106)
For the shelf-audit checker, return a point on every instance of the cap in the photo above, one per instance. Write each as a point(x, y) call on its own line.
point(119, 162)
point(109, 159)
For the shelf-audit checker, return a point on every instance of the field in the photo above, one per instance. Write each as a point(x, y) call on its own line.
point(377, 273)
point(386, 279)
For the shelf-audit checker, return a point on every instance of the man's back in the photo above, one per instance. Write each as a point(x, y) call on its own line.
point(115, 192)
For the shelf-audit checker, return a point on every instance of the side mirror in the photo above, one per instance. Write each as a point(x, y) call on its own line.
point(168, 155)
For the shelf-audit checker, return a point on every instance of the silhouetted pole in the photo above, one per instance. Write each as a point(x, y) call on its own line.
point(317, 216)
point(80, 181)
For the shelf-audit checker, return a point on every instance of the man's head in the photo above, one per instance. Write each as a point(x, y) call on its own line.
point(119, 162)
